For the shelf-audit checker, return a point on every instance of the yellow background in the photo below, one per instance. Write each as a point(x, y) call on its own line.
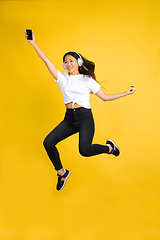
point(105, 197)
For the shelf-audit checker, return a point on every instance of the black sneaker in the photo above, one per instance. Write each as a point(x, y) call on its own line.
point(115, 150)
point(62, 179)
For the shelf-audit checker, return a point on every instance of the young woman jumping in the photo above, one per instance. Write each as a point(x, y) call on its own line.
point(76, 86)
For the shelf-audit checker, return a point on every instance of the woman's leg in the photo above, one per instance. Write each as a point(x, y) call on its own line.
point(86, 133)
point(62, 131)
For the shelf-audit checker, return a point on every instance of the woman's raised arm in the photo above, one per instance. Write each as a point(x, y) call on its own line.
point(49, 64)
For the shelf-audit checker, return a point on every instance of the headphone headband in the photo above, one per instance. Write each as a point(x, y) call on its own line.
point(74, 52)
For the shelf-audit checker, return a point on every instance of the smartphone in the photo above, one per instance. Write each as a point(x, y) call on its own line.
point(29, 33)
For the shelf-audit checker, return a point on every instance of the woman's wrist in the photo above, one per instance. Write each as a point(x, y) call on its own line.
point(33, 43)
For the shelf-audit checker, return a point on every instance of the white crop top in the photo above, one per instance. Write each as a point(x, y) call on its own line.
point(77, 88)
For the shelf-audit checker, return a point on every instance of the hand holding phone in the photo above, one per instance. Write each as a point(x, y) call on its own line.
point(29, 35)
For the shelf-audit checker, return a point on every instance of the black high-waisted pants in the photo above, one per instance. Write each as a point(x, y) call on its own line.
point(75, 120)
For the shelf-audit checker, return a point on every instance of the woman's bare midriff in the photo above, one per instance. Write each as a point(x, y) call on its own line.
point(69, 105)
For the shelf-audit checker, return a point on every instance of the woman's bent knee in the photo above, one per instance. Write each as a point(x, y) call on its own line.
point(46, 143)
point(84, 152)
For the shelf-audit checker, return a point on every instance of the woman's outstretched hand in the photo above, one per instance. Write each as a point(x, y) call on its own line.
point(130, 91)
point(30, 41)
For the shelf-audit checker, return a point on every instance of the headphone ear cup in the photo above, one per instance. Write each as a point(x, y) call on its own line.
point(80, 62)
point(64, 66)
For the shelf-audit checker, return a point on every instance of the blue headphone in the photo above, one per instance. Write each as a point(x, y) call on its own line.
point(79, 60)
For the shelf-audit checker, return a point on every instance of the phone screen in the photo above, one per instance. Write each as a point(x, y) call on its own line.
point(29, 33)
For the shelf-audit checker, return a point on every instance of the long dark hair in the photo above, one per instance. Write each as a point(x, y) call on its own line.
point(87, 68)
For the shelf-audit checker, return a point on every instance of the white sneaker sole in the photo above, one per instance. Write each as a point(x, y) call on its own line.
point(65, 180)
point(114, 144)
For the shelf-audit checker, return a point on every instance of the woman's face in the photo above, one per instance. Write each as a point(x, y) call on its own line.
point(71, 65)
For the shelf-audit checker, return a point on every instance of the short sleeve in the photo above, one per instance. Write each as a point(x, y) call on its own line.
point(95, 86)
point(60, 76)
point(61, 79)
